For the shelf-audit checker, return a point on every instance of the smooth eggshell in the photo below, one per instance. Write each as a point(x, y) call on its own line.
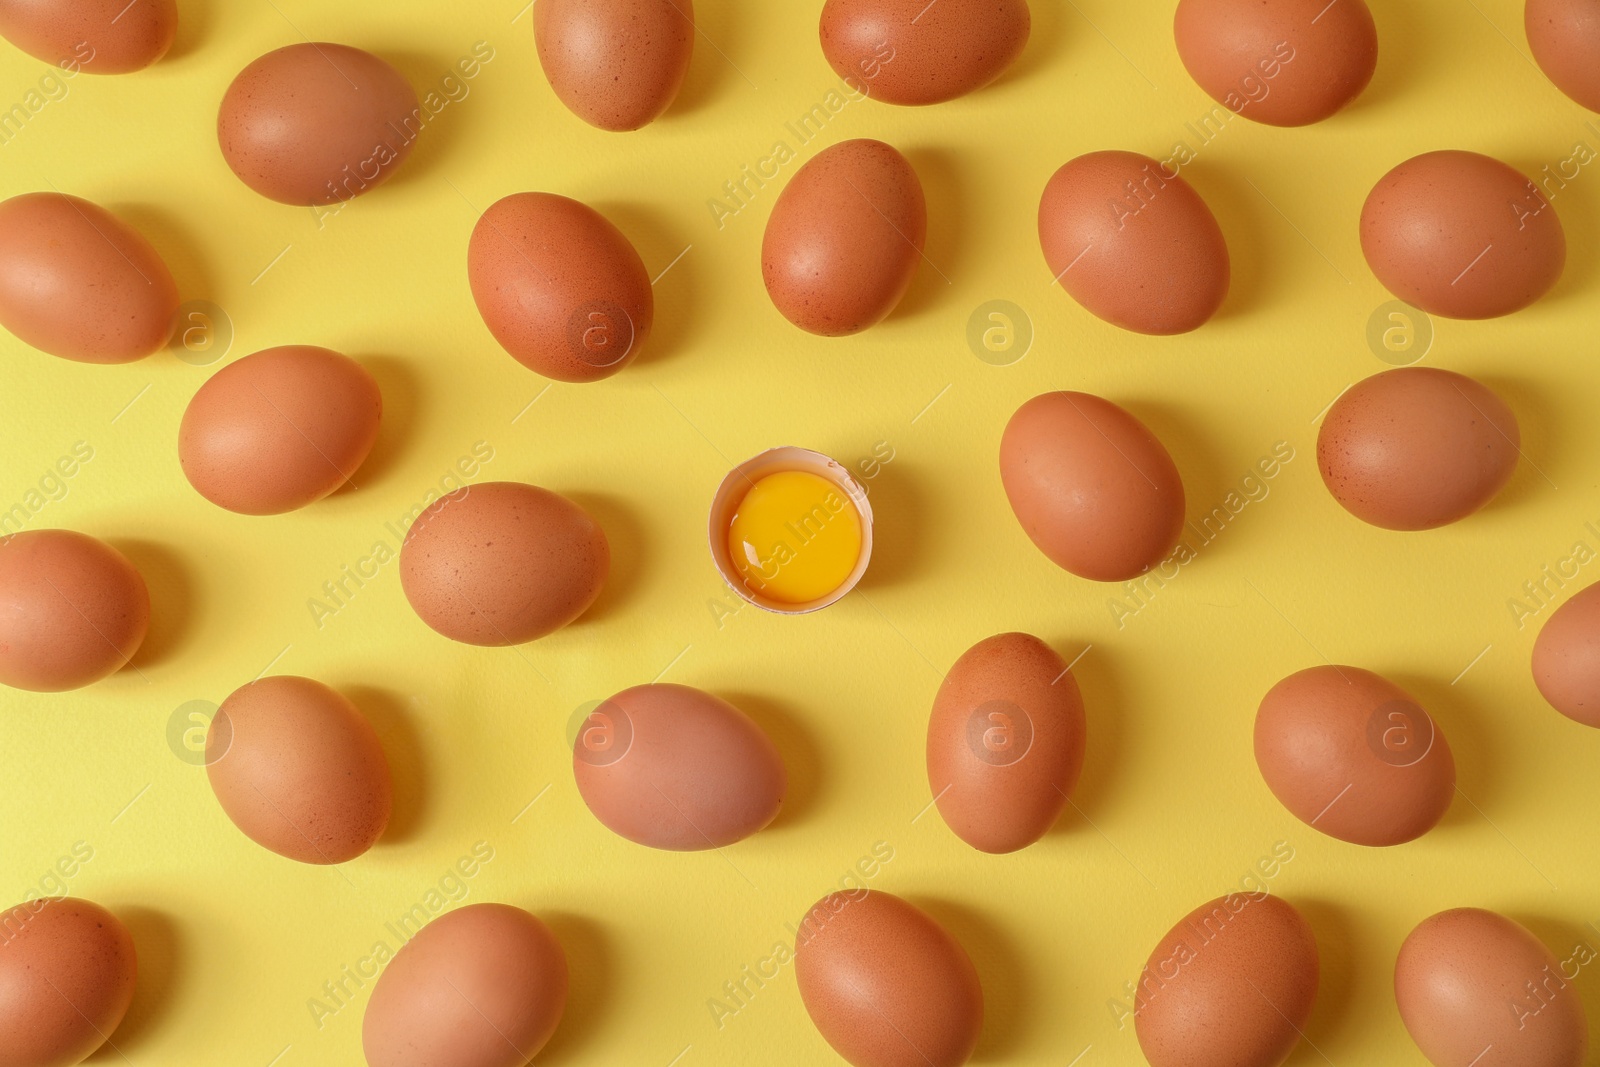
point(1462, 235)
point(1564, 36)
point(885, 984)
point(1417, 447)
point(1231, 985)
point(1285, 63)
point(299, 770)
point(1353, 755)
point(92, 36)
point(1566, 658)
point(73, 610)
point(1475, 988)
point(617, 64)
point(502, 563)
point(675, 768)
point(79, 283)
point(559, 286)
point(316, 123)
point(1133, 243)
point(279, 429)
point(913, 52)
point(481, 986)
point(845, 238)
point(1005, 742)
point(1091, 485)
point(67, 975)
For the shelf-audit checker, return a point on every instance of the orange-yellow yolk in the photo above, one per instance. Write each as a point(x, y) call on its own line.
point(795, 537)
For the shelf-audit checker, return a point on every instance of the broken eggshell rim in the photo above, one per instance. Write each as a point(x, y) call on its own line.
point(731, 493)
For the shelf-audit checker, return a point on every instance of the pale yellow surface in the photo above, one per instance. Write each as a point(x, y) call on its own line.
point(234, 941)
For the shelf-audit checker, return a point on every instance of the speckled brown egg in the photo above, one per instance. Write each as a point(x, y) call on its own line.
point(502, 563)
point(92, 36)
point(481, 986)
point(279, 429)
point(845, 238)
point(67, 974)
point(676, 768)
point(1564, 36)
point(1091, 485)
point(1285, 63)
point(617, 64)
point(1132, 242)
point(1353, 755)
point(317, 123)
point(1462, 235)
point(914, 52)
point(560, 287)
point(1005, 742)
point(299, 770)
point(79, 283)
point(73, 610)
point(1475, 988)
point(1231, 985)
point(885, 984)
point(1416, 448)
point(1566, 658)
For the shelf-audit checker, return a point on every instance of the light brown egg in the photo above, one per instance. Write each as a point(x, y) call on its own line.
point(502, 563)
point(1566, 658)
point(316, 123)
point(1416, 447)
point(1231, 985)
point(885, 984)
point(1005, 742)
point(1475, 988)
point(1133, 243)
point(299, 770)
point(1091, 485)
point(1286, 63)
point(481, 986)
point(92, 36)
point(675, 768)
point(1564, 36)
point(73, 610)
point(1462, 235)
point(913, 52)
point(67, 974)
point(560, 287)
point(1350, 753)
point(79, 283)
point(617, 64)
point(845, 238)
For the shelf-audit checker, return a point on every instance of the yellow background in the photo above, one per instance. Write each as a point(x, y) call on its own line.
point(234, 940)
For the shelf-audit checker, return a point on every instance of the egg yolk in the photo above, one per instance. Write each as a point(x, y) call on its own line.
point(795, 537)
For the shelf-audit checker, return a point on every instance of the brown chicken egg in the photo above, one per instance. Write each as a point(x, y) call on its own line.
point(1350, 753)
point(67, 974)
point(79, 283)
point(1231, 985)
point(560, 287)
point(675, 768)
point(1462, 235)
point(481, 986)
point(845, 238)
point(1475, 988)
point(1564, 36)
point(1286, 63)
point(1566, 658)
point(279, 429)
point(299, 770)
point(73, 610)
point(1005, 742)
point(502, 563)
point(616, 64)
point(914, 52)
point(1091, 485)
point(93, 36)
point(885, 984)
point(317, 123)
point(1416, 448)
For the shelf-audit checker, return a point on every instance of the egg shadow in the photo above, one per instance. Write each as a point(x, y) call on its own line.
point(669, 259)
point(1104, 716)
point(625, 535)
point(1008, 1003)
point(800, 756)
point(171, 598)
point(711, 70)
point(1403, 36)
point(405, 752)
point(1561, 938)
point(1239, 210)
point(175, 242)
point(898, 522)
point(1578, 210)
point(439, 131)
point(159, 947)
point(1337, 964)
point(1463, 724)
point(590, 966)
point(194, 23)
point(1542, 443)
point(397, 381)
point(1200, 466)
point(946, 242)
point(1047, 36)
